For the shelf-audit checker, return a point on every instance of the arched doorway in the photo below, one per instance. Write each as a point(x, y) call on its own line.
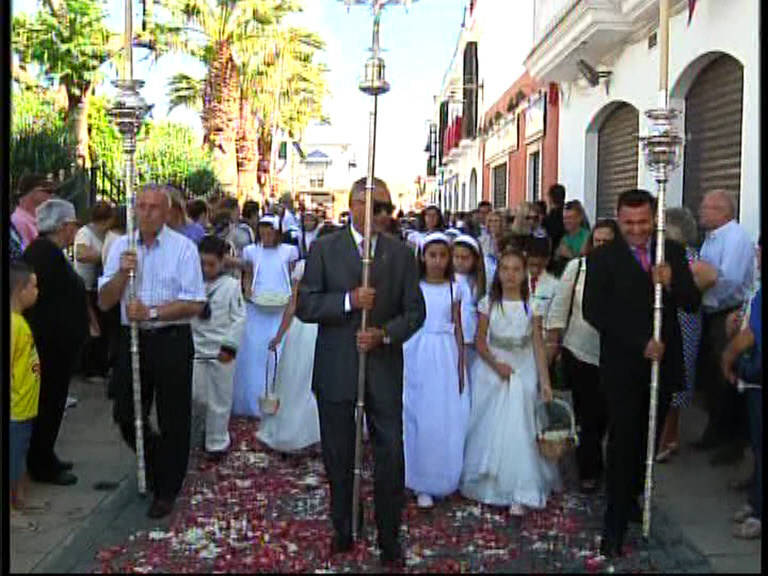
point(473, 189)
point(713, 116)
point(617, 157)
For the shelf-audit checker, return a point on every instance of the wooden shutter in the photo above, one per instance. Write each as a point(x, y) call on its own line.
point(617, 157)
point(713, 109)
point(469, 112)
point(500, 186)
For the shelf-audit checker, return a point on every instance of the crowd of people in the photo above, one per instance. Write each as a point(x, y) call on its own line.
point(478, 318)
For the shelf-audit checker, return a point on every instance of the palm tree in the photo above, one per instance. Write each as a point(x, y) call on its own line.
point(69, 41)
point(237, 41)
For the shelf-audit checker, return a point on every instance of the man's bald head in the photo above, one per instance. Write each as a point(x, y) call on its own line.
point(153, 202)
point(717, 208)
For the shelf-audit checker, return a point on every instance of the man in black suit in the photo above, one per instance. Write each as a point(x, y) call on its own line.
point(330, 295)
point(618, 302)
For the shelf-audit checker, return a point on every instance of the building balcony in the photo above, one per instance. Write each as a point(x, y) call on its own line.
point(566, 31)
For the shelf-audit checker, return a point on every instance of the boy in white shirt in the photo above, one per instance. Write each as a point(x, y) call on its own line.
point(543, 287)
point(217, 333)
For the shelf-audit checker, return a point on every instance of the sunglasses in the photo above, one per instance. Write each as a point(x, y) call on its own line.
point(387, 207)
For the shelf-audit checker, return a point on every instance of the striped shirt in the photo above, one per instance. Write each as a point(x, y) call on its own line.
point(167, 271)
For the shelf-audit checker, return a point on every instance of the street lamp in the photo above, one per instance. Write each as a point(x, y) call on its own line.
point(663, 150)
point(373, 84)
point(128, 112)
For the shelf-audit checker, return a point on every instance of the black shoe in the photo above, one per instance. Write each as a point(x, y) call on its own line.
point(635, 514)
point(64, 465)
point(610, 548)
point(60, 478)
point(160, 508)
point(340, 545)
point(392, 557)
point(727, 455)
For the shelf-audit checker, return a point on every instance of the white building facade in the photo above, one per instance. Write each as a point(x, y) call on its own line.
point(604, 55)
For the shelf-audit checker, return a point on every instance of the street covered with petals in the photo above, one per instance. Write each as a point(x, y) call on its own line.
point(256, 511)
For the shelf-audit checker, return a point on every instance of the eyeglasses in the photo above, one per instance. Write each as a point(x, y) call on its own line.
point(387, 207)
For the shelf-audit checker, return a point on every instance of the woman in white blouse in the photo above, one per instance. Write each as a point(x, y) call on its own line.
point(581, 359)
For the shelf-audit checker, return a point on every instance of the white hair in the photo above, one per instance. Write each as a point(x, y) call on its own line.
point(165, 189)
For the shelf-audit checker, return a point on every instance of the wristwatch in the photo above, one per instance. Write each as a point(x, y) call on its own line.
point(153, 313)
point(386, 340)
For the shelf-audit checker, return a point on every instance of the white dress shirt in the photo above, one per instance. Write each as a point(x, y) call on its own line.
point(167, 271)
point(732, 253)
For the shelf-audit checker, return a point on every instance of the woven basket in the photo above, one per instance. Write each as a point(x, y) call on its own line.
point(555, 429)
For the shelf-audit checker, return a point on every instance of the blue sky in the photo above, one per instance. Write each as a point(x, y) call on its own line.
point(418, 46)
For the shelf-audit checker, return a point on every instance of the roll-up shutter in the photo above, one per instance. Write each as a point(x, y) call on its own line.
point(713, 109)
point(617, 157)
point(500, 186)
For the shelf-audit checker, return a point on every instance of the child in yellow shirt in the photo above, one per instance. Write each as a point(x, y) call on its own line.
point(25, 387)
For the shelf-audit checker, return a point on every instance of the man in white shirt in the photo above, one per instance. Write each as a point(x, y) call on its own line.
point(169, 293)
point(727, 248)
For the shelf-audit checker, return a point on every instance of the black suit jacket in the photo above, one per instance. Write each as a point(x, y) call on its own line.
point(59, 318)
point(618, 302)
point(333, 268)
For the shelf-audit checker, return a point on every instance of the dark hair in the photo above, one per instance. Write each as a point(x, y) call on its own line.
point(538, 247)
point(19, 275)
point(608, 223)
point(634, 198)
point(102, 211)
point(196, 208)
point(479, 270)
point(423, 218)
point(229, 203)
point(361, 183)
point(221, 218)
point(512, 241)
point(250, 209)
point(579, 207)
point(542, 207)
point(423, 264)
point(557, 194)
point(30, 182)
point(213, 245)
point(496, 294)
point(485, 203)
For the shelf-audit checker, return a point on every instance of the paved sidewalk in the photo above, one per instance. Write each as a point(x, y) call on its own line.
point(696, 497)
point(90, 440)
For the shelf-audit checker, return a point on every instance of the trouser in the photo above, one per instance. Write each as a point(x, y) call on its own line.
point(628, 407)
point(55, 374)
point(95, 357)
point(724, 404)
point(337, 432)
point(165, 357)
point(754, 398)
point(212, 388)
point(590, 411)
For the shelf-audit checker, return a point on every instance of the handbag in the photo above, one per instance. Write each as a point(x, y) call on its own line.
point(269, 404)
point(268, 298)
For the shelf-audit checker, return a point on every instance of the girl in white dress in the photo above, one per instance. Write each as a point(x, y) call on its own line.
point(267, 287)
point(296, 424)
point(502, 463)
point(469, 265)
point(435, 404)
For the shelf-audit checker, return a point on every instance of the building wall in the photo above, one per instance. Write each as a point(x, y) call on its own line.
point(550, 145)
point(729, 27)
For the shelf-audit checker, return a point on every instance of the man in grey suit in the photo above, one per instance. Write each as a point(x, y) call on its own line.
point(330, 295)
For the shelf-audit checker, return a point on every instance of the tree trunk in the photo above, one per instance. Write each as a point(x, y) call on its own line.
point(247, 153)
point(77, 120)
point(220, 115)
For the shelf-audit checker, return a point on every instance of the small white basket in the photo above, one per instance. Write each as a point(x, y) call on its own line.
point(269, 404)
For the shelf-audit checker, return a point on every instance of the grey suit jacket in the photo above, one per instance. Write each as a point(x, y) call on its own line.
point(334, 267)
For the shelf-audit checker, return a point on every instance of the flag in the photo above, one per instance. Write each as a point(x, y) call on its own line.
point(691, 8)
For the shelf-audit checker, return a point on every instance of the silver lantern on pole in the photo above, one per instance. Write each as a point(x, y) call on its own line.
point(663, 150)
point(128, 112)
point(374, 84)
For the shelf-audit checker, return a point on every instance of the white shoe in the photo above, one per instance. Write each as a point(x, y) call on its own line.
point(743, 513)
point(424, 501)
point(71, 401)
point(516, 509)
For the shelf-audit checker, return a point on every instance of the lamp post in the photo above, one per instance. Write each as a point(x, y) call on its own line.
point(373, 84)
point(663, 148)
point(128, 112)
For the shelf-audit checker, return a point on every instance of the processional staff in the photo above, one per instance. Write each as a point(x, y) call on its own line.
point(662, 147)
point(128, 111)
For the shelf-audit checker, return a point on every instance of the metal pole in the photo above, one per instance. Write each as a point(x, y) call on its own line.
point(128, 112)
point(658, 304)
